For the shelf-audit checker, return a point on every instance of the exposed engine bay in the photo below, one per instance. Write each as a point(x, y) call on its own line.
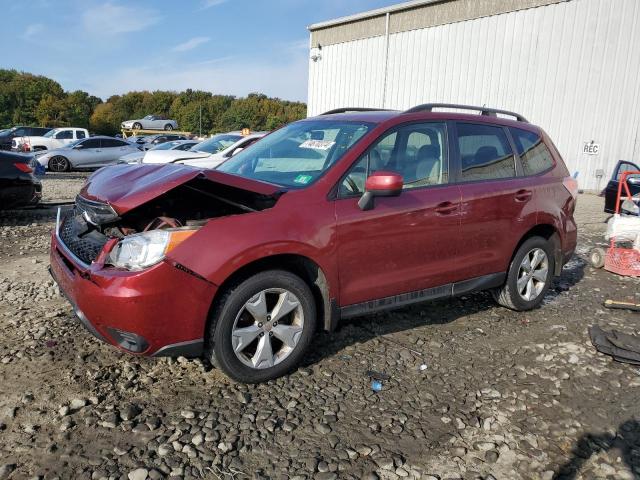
point(186, 207)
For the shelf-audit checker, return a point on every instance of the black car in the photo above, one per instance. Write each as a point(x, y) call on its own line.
point(611, 191)
point(6, 136)
point(18, 185)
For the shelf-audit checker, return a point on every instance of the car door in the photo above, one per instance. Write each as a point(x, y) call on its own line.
point(497, 208)
point(611, 191)
point(409, 242)
point(86, 153)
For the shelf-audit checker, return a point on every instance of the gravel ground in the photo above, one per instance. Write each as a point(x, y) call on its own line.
point(504, 395)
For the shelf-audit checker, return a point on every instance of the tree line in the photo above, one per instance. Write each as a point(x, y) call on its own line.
point(27, 99)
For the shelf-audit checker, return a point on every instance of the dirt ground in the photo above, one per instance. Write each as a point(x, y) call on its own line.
point(504, 395)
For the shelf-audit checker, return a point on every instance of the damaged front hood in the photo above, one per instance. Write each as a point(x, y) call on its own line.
point(125, 187)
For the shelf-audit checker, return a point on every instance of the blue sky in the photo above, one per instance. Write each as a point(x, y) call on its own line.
point(223, 46)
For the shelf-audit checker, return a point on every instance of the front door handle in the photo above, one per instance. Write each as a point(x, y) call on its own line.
point(446, 208)
point(523, 195)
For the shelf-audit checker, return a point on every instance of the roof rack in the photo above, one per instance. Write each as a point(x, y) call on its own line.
point(491, 112)
point(355, 109)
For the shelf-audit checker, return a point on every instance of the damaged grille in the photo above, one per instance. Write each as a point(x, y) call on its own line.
point(84, 243)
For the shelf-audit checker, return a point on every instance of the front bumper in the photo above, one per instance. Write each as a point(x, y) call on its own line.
point(161, 311)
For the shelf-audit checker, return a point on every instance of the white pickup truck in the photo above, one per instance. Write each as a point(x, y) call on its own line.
point(56, 138)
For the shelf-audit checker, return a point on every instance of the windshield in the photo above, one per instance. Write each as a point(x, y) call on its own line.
point(296, 155)
point(166, 146)
point(216, 143)
point(51, 133)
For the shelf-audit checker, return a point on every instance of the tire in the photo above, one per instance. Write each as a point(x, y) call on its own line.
point(596, 257)
point(232, 314)
point(531, 296)
point(137, 126)
point(59, 164)
point(168, 127)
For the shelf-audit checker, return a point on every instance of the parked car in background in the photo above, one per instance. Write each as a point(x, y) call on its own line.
point(7, 135)
point(151, 122)
point(56, 138)
point(19, 186)
point(215, 159)
point(327, 218)
point(611, 190)
point(175, 145)
point(93, 152)
point(154, 140)
point(204, 149)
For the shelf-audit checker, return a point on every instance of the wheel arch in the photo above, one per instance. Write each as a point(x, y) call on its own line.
point(304, 267)
point(550, 233)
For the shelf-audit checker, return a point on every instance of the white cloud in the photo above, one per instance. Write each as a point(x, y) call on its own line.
point(32, 31)
point(211, 3)
point(190, 44)
point(111, 19)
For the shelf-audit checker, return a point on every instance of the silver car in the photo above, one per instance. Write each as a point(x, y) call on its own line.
point(93, 152)
point(151, 122)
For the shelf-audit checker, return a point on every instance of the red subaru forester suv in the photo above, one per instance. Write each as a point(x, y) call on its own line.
point(350, 212)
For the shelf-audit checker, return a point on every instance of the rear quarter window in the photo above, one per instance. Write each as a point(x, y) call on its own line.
point(534, 154)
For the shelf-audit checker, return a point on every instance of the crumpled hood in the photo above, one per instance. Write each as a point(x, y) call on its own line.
point(125, 187)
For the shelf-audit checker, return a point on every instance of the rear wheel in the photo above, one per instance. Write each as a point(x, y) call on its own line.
point(168, 127)
point(262, 327)
point(529, 277)
point(59, 164)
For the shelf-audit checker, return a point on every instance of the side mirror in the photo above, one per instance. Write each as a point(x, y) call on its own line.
point(380, 184)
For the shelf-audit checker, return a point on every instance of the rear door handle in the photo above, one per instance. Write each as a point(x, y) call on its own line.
point(523, 195)
point(446, 208)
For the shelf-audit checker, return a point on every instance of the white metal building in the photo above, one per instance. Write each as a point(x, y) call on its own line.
point(570, 66)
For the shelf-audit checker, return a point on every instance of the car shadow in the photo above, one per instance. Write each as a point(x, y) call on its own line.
point(437, 312)
point(624, 441)
point(21, 217)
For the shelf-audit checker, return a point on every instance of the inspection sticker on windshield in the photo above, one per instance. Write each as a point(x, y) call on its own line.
point(304, 179)
point(317, 144)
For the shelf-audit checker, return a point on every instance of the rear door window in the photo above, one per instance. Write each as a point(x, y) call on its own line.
point(485, 152)
point(534, 154)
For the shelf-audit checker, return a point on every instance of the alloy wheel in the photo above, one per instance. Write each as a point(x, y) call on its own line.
point(58, 164)
point(268, 328)
point(533, 274)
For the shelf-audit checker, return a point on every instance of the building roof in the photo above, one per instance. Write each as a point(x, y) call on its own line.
point(372, 13)
point(413, 15)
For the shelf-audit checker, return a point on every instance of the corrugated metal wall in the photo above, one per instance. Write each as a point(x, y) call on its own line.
point(572, 68)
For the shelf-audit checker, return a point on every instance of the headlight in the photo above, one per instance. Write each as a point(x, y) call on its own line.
point(143, 250)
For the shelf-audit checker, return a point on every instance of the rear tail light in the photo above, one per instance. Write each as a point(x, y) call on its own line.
point(23, 167)
point(571, 184)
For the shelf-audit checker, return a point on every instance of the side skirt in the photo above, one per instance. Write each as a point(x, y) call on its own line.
point(476, 284)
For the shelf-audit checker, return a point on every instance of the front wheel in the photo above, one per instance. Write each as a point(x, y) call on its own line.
point(262, 327)
point(168, 127)
point(529, 277)
point(59, 164)
point(137, 126)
